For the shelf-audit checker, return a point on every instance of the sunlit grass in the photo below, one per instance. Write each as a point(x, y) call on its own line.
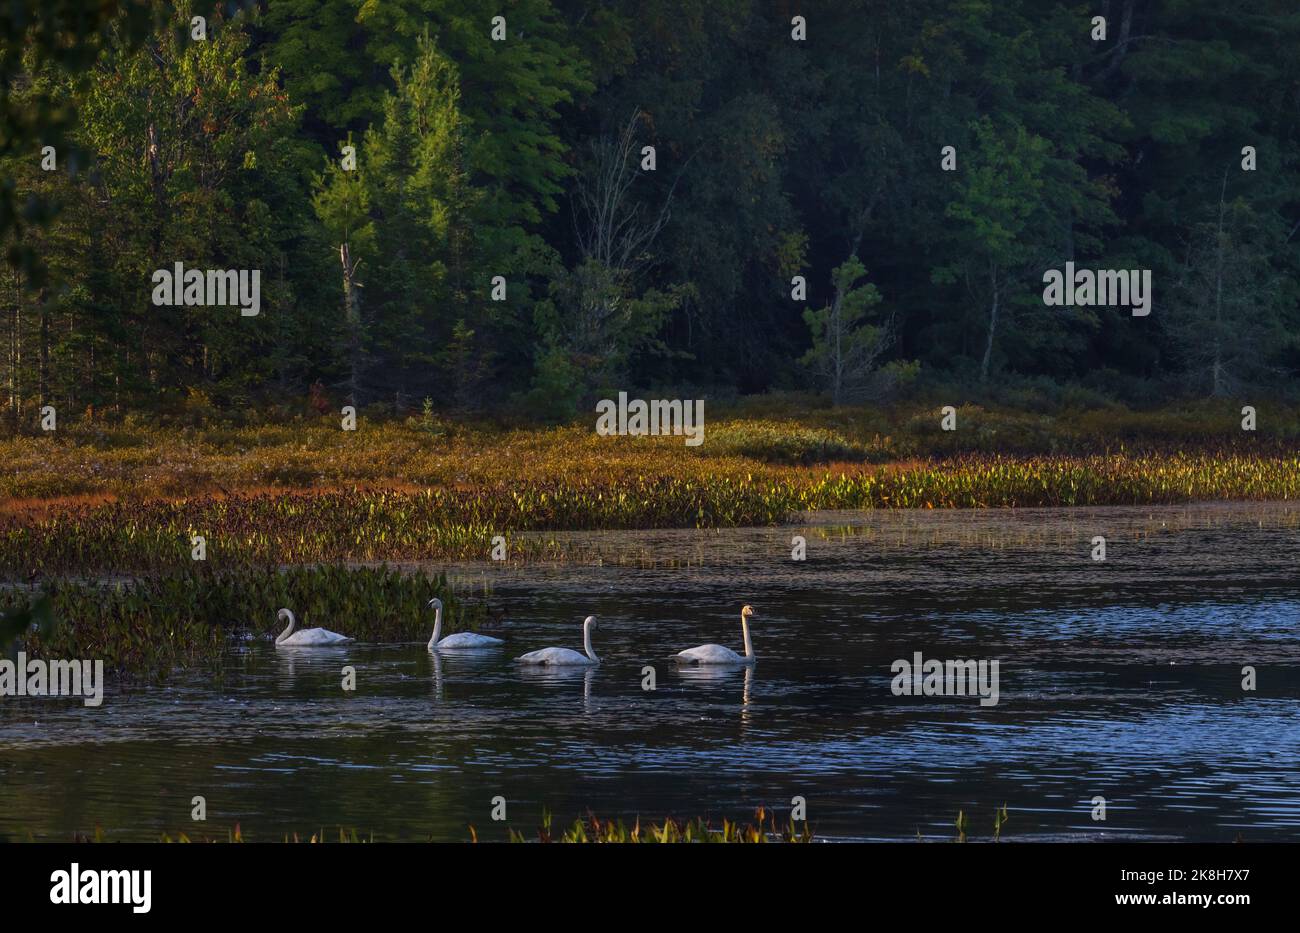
point(592, 829)
point(97, 459)
point(763, 828)
point(293, 494)
point(454, 523)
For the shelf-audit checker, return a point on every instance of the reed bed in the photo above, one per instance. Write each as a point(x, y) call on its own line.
point(589, 830)
point(134, 459)
point(458, 521)
point(592, 829)
point(127, 498)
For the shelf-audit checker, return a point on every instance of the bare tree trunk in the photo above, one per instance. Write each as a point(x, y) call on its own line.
point(12, 321)
point(611, 230)
point(1120, 49)
point(352, 314)
point(71, 381)
point(1217, 373)
point(44, 371)
point(10, 325)
point(91, 377)
point(16, 359)
point(837, 329)
point(993, 325)
point(158, 183)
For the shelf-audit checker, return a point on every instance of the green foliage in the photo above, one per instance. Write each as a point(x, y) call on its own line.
point(1232, 307)
point(602, 321)
point(154, 625)
point(845, 346)
point(48, 48)
point(33, 618)
point(479, 158)
point(558, 384)
point(777, 442)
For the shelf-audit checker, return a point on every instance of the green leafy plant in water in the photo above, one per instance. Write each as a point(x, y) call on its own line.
point(152, 626)
point(32, 619)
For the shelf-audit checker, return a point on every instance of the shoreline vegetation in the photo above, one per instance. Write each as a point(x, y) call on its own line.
point(147, 628)
point(584, 830)
point(129, 499)
point(761, 828)
point(99, 523)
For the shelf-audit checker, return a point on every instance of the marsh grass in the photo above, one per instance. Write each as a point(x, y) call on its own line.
point(455, 523)
point(592, 829)
point(97, 459)
point(233, 835)
point(308, 493)
point(962, 825)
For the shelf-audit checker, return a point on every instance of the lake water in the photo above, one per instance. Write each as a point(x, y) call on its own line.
point(1120, 679)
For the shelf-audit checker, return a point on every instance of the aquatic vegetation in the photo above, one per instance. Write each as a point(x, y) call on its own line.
point(592, 829)
point(457, 522)
point(132, 460)
point(792, 443)
point(156, 624)
point(294, 494)
point(233, 835)
point(962, 825)
point(763, 828)
point(1000, 819)
point(34, 616)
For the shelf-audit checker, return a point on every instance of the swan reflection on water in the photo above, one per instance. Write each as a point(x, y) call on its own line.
point(466, 665)
point(293, 662)
point(722, 674)
point(560, 676)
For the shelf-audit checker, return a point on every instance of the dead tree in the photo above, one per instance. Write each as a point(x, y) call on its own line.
point(352, 315)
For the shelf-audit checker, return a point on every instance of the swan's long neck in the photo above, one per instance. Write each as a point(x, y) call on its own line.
point(586, 641)
point(437, 628)
point(288, 630)
point(744, 628)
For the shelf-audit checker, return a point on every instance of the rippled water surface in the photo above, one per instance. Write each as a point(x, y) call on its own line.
point(1120, 679)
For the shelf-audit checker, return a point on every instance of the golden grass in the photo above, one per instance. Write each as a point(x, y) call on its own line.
point(291, 494)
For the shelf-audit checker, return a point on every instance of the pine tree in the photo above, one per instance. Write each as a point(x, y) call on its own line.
point(846, 344)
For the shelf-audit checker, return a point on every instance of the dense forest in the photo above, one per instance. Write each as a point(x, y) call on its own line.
point(521, 205)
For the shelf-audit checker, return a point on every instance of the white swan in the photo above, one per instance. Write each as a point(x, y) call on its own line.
point(308, 637)
point(565, 655)
point(461, 641)
point(716, 654)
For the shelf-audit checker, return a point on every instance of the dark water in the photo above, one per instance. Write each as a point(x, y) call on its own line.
point(1121, 679)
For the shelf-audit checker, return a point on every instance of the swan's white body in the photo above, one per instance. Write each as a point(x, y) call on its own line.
point(308, 637)
point(717, 654)
point(566, 656)
point(461, 641)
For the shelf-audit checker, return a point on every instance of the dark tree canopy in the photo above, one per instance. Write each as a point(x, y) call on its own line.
point(592, 197)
